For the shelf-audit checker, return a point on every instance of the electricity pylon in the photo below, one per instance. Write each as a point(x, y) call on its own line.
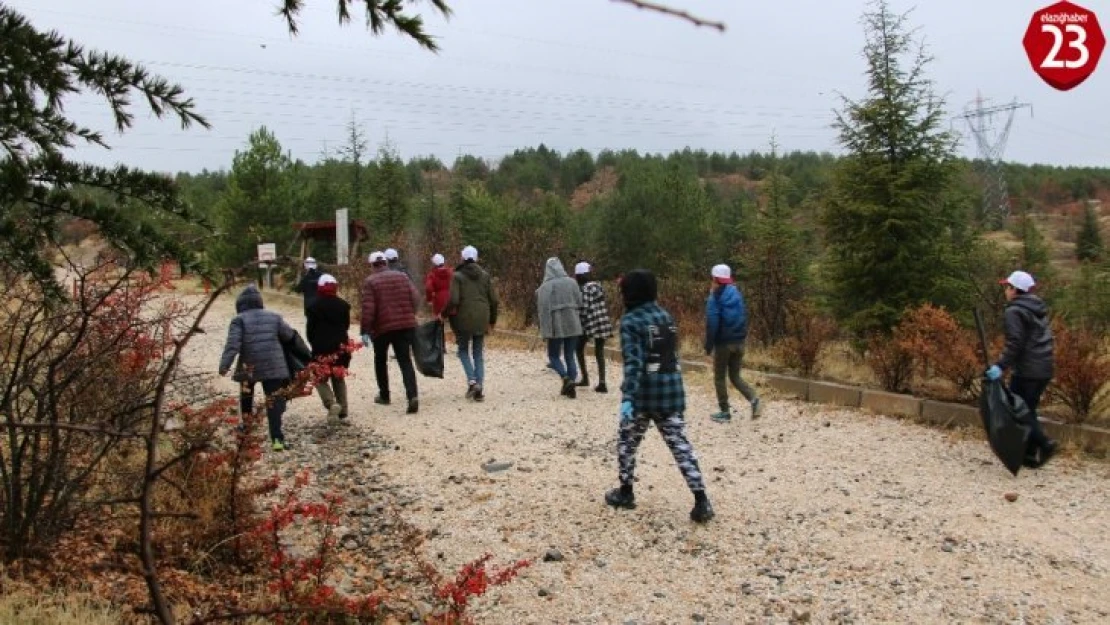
point(991, 141)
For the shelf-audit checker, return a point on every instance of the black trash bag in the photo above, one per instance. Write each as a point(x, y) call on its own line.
point(297, 354)
point(429, 349)
point(1007, 421)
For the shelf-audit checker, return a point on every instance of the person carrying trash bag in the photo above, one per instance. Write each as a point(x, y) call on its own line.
point(328, 321)
point(259, 337)
point(1029, 352)
point(652, 392)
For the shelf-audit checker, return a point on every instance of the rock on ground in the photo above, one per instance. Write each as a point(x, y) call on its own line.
point(870, 519)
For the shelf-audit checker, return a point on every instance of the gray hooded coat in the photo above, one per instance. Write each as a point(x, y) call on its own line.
point(558, 302)
point(256, 335)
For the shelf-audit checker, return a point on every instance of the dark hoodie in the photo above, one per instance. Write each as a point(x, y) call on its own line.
point(472, 303)
point(1029, 340)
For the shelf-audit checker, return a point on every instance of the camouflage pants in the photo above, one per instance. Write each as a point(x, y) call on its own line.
point(673, 429)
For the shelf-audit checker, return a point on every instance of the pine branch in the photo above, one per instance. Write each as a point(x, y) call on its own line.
point(379, 15)
point(666, 10)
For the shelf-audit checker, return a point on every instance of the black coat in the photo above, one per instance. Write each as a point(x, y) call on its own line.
point(1029, 340)
point(327, 324)
point(307, 286)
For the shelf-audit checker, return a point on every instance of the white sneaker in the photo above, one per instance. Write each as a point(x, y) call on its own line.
point(335, 410)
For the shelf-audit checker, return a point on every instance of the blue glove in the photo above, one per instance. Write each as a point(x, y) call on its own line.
point(994, 373)
point(366, 340)
point(626, 411)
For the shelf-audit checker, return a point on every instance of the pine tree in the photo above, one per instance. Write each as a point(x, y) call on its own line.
point(40, 186)
point(775, 267)
point(1034, 249)
point(1088, 243)
point(353, 152)
point(390, 192)
point(257, 206)
point(891, 218)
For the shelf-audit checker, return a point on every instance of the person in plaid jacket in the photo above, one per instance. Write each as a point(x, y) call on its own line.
point(652, 392)
point(595, 324)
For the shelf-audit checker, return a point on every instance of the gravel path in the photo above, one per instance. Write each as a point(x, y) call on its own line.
point(823, 515)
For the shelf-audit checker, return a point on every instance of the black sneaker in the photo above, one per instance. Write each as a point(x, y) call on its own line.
point(478, 394)
point(582, 382)
point(617, 499)
point(702, 512)
point(471, 390)
point(414, 406)
point(572, 392)
point(601, 388)
point(384, 401)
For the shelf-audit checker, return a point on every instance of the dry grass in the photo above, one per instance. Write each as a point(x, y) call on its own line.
point(27, 606)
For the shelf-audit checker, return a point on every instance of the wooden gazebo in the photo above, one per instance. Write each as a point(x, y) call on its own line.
point(308, 231)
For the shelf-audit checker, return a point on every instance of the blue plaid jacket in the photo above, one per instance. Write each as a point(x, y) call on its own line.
point(649, 345)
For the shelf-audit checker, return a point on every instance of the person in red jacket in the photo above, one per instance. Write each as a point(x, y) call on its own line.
point(389, 303)
point(437, 286)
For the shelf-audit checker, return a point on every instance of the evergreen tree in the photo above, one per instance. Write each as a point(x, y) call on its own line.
point(1088, 243)
point(353, 152)
point(258, 204)
point(775, 267)
point(390, 193)
point(891, 219)
point(1034, 250)
point(40, 186)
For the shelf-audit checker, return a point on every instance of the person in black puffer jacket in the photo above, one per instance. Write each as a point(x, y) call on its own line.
point(257, 336)
point(328, 321)
point(1029, 352)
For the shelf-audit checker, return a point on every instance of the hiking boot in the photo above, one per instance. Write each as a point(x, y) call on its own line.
point(471, 390)
point(384, 401)
point(478, 394)
point(702, 512)
point(617, 499)
point(414, 406)
point(601, 388)
point(757, 408)
point(721, 417)
point(334, 410)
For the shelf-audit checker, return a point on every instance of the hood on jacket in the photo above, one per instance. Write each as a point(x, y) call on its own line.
point(554, 269)
point(638, 287)
point(1032, 303)
point(468, 269)
point(249, 299)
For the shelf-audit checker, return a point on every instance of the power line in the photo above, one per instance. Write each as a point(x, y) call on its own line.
point(991, 143)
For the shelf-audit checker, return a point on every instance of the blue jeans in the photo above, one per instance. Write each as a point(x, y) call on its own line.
point(471, 356)
point(565, 348)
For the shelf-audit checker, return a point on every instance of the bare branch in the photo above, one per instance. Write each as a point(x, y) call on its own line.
point(666, 10)
point(74, 428)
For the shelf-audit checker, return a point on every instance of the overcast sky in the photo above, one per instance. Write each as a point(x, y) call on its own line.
point(571, 74)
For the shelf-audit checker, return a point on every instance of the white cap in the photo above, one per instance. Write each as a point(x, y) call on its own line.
point(391, 254)
point(310, 262)
point(1019, 280)
point(376, 257)
point(327, 278)
point(722, 273)
point(470, 253)
point(437, 260)
point(581, 268)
